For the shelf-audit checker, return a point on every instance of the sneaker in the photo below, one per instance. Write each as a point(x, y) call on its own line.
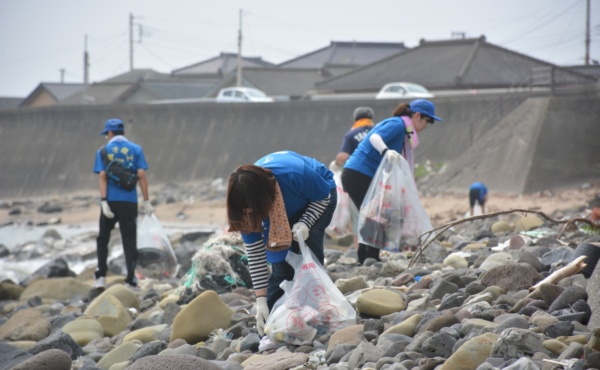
point(132, 287)
point(100, 282)
point(266, 344)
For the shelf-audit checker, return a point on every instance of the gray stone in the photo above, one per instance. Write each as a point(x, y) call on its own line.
point(61, 341)
point(511, 277)
point(364, 352)
point(568, 297)
point(453, 300)
point(148, 349)
point(171, 362)
point(438, 345)
point(440, 288)
point(52, 359)
point(250, 343)
point(339, 351)
point(171, 310)
point(514, 321)
point(561, 328)
point(11, 355)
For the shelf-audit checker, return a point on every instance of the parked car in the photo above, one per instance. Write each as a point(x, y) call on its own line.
point(398, 90)
point(242, 95)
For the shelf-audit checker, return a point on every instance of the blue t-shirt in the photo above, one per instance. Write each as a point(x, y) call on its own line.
point(482, 189)
point(366, 158)
point(131, 156)
point(301, 180)
point(353, 137)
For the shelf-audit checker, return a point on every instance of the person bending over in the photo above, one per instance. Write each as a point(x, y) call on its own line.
point(269, 203)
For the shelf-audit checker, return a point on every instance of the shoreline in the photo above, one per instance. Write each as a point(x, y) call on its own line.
point(83, 208)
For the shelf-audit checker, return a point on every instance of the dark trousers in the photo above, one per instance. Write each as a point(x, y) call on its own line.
point(357, 184)
point(282, 270)
point(126, 215)
point(474, 197)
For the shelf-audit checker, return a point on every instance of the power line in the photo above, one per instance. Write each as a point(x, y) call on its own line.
point(558, 14)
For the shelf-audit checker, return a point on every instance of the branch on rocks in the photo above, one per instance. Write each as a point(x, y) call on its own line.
point(427, 236)
point(569, 270)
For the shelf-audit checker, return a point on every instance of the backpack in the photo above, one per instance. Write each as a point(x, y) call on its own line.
point(124, 177)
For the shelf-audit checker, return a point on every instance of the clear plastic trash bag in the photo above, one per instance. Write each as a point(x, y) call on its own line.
point(340, 225)
point(391, 212)
point(311, 304)
point(156, 258)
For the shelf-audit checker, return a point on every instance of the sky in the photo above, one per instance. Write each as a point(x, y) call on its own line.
point(44, 40)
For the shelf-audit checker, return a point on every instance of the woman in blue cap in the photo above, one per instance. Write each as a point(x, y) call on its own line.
point(392, 136)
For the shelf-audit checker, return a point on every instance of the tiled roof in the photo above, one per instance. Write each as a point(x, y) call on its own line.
point(100, 93)
point(136, 75)
point(451, 64)
point(220, 65)
point(345, 54)
point(10, 103)
point(58, 91)
point(176, 89)
point(590, 70)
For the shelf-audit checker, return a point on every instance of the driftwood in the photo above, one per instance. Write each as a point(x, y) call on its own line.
point(569, 270)
point(428, 237)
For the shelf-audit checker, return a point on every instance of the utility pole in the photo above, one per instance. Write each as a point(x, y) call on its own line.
point(587, 34)
point(62, 75)
point(86, 65)
point(130, 41)
point(239, 56)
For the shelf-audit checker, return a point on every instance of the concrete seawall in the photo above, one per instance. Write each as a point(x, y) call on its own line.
point(50, 151)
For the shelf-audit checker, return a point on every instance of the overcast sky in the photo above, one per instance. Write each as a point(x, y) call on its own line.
point(38, 38)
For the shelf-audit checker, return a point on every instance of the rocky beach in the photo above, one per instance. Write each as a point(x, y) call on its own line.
point(490, 293)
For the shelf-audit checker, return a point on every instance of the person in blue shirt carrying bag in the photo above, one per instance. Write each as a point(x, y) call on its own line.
point(119, 204)
point(269, 203)
point(392, 136)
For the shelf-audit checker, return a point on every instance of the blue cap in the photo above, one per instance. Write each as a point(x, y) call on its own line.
point(424, 107)
point(113, 124)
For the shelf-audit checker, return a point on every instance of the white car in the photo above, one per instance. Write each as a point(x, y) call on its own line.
point(399, 90)
point(242, 95)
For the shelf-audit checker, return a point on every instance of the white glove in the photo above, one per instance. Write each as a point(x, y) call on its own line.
point(334, 167)
point(106, 209)
point(262, 314)
point(148, 209)
point(393, 155)
point(302, 228)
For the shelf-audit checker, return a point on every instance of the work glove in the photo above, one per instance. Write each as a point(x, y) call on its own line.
point(106, 209)
point(148, 209)
point(262, 314)
point(300, 227)
point(334, 167)
point(393, 156)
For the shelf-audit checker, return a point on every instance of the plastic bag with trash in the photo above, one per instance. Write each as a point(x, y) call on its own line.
point(391, 212)
point(156, 258)
point(311, 304)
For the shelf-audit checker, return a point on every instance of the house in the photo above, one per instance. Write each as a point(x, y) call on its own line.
point(48, 94)
point(343, 55)
point(296, 78)
point(141, 86)
point(281, 84)
point(219, 66)
point(10, 103)
point(454, 64)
